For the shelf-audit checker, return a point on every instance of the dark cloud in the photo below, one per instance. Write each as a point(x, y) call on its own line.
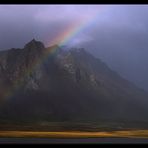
point(21, 23)
point(122, 41)
point(118, 34)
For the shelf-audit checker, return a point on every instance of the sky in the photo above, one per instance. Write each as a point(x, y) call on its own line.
point(117, 34)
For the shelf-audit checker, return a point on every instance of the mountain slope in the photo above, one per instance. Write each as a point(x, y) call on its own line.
point(53, 84)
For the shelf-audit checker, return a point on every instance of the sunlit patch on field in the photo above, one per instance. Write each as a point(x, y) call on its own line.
point(76, 134)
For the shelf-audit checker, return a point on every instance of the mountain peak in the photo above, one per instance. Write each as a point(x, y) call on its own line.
point(34, 44)
point(72, 85)
point(33, 40)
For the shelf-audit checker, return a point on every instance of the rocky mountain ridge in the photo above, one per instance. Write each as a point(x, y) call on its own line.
point(53, 84)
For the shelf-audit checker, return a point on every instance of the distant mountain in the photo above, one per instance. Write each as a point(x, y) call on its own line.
point(53, 84)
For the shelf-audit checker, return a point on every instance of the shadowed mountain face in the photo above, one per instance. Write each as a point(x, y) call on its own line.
point(53, 84)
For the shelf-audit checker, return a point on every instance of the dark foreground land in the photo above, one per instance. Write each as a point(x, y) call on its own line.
point(74, 141)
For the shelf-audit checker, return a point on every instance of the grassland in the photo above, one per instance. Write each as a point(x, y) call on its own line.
point(74, 130)
point(75, 134)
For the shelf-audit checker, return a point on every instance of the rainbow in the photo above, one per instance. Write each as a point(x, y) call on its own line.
point(18, 83)
point(62, 38)
point(75, 28)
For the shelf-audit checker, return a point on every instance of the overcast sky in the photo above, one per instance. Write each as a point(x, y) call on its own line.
point(118, 34)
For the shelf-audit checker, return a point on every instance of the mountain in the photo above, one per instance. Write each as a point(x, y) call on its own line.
point(52, 84)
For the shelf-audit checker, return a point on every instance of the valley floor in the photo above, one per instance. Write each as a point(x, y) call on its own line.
point(75, 134)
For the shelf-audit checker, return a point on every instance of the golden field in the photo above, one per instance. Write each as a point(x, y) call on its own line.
point(76, 134)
